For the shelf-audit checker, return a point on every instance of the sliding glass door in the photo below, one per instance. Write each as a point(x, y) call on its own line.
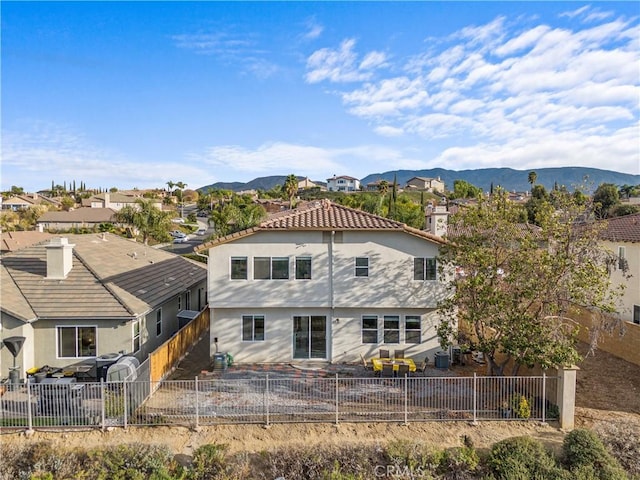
point(309, 337)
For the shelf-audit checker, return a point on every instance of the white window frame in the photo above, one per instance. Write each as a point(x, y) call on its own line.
point(361, 268)
point(304, 258)
point(246, 267)
point(408, 331)
point(390, 330)
point(369, 329)
point(428, 271)
point(76, 327)
point(136, 336)
point(253, 318)
point(272, 261)
point(622, 257)
point(179, 302)
point(187, 300)
point(636, 314)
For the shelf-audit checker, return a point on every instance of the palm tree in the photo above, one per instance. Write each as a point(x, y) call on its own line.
point(145, 218)
point(532, 177)
point(291, 188)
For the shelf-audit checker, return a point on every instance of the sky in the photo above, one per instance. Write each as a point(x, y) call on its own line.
point(138, 94)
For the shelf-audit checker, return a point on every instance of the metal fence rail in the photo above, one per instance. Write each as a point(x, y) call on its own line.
point(276, 400)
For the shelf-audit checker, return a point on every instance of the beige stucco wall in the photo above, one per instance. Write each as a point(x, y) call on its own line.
point(344, 334)
point(333, 291)
point(631, 295)
point(12, 327)
point(390, 282)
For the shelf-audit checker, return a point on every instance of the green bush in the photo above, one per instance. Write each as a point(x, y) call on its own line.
point(208, 461)
point(459, 463)
point(38, 460)
point(521, 458)
point(583, 449)
point(131, 462)
point(520, 406)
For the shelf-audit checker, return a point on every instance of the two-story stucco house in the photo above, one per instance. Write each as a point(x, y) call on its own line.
point(324, 282)
point(622, 237)
point(343, 183)
point(426, 184)
point(77, 297)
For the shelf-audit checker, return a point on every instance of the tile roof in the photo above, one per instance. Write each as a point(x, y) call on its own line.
point(12, 241)
point(112, 277)
point(79, 215)
point(623, 229)
point(324, 215)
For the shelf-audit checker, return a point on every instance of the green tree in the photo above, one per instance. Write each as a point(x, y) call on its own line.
point(604, 198)
point(531, 178)
point(464, 189)
point(290, 188)
point(517, 286)
point(67, 203)
point(146, 220)
point(238, 214)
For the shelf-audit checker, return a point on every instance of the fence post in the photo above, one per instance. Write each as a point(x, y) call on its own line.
point(475, 399)
point(29, 415)
point(406, 396)
point(544, 397)
point(566, 399)
point(337, 399)
point(102, 405)
point(125, 403)
point(197, 406)
point(266, 399)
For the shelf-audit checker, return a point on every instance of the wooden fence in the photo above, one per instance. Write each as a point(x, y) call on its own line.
point(166, 356)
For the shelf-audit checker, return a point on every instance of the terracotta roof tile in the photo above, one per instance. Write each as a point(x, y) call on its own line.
point(623, 229)
point(324, 215)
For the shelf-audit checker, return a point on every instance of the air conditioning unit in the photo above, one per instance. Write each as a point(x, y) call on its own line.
point(103, 362)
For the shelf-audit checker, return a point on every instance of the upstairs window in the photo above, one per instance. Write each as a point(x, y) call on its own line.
point(622, 260)
point(270, 268)
point(362, 267)
point(136, 336)
point(159, 322)
point(303, 268)
point(424, 268)
point(238, 268)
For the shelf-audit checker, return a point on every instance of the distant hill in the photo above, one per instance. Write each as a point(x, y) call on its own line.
point(506, 178)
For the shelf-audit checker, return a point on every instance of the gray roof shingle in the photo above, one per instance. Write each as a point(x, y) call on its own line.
point(111, 278)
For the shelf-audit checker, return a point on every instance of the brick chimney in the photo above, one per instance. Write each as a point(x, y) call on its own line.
point(59, 258)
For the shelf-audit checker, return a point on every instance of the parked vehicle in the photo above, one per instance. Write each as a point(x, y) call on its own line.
point(183, 239)
point(177, 234)
point(201, 231)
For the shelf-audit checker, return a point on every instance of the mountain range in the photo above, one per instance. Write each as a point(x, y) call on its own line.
point(507, 178)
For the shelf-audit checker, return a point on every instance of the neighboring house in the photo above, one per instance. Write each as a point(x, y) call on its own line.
point(426, 184)
point(12, 241)
point(80, 218)
point(324, 282)
point(78, 297)
point(306, 183)
point(622, 237)
point(21, 202)
point(343, 183)
point(115, 201)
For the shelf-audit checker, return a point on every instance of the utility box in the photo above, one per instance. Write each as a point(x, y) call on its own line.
point(442, 360)
point(219, 361)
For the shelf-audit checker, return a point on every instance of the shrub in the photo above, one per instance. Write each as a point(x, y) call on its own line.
point(130, 462)
point(459, 463)
point(584, 452)
point(521, 458)
point(38, 460)
point(208, 461)
point(520, 406)
point(621, 440)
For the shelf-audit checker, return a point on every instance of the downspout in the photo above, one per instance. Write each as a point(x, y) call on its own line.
point(331, 301)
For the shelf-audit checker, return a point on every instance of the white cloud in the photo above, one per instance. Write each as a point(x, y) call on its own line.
point(314, 29)
point(43, 152)
point(341, 65)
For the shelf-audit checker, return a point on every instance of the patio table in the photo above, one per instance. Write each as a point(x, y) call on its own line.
point(378, 362)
